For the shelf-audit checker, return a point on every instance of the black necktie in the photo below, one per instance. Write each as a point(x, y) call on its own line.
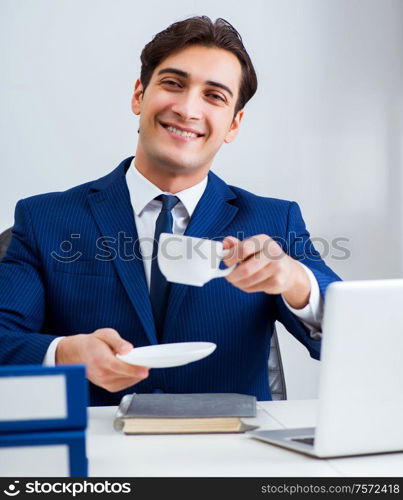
point(159, 286)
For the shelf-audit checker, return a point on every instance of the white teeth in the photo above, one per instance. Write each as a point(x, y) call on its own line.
point(181, 132)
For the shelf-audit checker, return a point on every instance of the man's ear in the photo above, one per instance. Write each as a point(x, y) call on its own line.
point(137, 98)
point(234, 128)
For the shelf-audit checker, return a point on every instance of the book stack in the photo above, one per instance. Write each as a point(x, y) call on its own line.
point(43, 417)
point(184, 413)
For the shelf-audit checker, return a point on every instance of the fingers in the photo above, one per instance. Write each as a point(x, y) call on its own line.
point(105, 370)
point(121, 368)
point(251, 272)
point(262, 264)
point(97, 351)
point(269, 285)
point(229, 242)
point(112, 338)
point(107, 364)
point(239, 251)
point(230, 245)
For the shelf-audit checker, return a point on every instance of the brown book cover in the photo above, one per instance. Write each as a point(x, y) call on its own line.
point(184, 413)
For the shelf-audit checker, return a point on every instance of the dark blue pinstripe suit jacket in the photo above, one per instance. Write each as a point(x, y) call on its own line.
point(42, 296)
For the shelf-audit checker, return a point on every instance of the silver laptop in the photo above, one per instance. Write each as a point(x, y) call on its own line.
point(361, 374)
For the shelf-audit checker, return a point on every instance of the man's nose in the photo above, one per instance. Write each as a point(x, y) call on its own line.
point(188, 106)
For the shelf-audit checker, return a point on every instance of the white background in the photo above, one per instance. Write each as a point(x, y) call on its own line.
point(324, 129)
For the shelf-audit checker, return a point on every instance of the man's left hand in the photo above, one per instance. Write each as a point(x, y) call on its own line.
point(263, 266)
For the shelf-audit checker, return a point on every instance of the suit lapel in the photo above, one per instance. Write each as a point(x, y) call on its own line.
point(113, 212)
point(212, 215)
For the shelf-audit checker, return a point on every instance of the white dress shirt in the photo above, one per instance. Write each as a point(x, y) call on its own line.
point(146, 210)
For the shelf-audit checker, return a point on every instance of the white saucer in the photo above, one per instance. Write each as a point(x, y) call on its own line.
point(167, 355)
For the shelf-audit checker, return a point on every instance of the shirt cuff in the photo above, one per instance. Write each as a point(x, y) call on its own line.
point(312, 314)
point(50, 356)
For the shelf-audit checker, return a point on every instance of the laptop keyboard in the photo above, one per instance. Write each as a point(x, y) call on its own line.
point(309, 441)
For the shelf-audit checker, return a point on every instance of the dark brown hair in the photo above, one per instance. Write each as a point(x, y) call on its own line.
point(200, 30)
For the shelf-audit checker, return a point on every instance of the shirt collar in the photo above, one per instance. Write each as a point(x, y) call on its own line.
point(142, 191)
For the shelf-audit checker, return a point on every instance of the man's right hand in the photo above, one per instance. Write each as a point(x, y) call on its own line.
point(97, 351)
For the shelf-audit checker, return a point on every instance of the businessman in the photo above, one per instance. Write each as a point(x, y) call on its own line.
point(80, 281)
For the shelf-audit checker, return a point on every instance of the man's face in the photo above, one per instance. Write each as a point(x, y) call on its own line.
point(187, 109)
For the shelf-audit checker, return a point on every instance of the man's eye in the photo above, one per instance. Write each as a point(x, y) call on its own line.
point(171, 83)
point(216, 97)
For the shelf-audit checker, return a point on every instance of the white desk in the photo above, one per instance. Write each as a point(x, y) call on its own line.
point(222, 455)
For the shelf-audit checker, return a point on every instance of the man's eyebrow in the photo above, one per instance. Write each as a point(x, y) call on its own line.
point(184, 74)
point(220, 86)
point(178, 72)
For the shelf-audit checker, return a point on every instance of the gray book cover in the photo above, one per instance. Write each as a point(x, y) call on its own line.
point(211, 405)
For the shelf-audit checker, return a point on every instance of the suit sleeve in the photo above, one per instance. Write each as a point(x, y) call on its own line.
point(299, 246)
point(22, 297)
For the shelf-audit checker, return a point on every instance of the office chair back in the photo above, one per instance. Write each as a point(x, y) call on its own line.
point(5, 238)
point(276, 372)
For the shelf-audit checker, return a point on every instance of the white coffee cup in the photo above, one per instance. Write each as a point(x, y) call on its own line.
point(190, 261)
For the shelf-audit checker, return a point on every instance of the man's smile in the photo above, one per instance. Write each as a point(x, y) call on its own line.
point(181, 133)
